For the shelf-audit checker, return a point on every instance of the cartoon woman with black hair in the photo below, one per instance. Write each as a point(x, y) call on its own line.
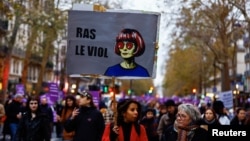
point(129, 44)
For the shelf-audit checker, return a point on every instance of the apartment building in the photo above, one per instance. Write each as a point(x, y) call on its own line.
point(18, 52)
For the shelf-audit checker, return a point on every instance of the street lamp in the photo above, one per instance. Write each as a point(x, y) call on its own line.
point(236, 92)
point(73, 88)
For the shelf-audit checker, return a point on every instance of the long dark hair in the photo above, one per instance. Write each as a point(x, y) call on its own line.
point(122, 107)
point(66, 107)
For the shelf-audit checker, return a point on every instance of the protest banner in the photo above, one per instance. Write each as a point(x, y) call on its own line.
point(97, 43)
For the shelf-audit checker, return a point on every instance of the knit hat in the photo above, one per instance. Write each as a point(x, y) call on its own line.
point(151, 110)
point(170, 102)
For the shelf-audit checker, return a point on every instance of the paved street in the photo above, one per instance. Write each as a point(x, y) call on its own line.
point(53, 137)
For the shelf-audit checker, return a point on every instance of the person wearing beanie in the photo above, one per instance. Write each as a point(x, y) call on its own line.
point(150, 123)
point(168, 118)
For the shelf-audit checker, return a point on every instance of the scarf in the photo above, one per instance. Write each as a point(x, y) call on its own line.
point(209, 122)
point(186, 133)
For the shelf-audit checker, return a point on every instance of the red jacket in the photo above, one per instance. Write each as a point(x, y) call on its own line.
point(133, 137)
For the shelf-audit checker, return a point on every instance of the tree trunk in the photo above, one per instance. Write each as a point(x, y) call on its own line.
point(28, 53)
point(225, 78)
point(50, 36)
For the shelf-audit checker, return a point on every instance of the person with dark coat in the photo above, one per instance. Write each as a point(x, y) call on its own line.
point(209, 119)
point(168, 118)
point(34, 125)
point(240, 118)
point(47, 109)
point(150, 123)
point(6, 125)
point(87, 121)
point(186, 126)
point(222, 116)
point(14, 114)
point(58, 107)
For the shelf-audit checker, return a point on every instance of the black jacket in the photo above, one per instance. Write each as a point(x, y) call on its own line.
point(200, 134)
point(12, 110)
point(36, 129)
point(88, 125)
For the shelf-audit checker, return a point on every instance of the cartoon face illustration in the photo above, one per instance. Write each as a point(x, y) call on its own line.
point(129, 44)
point(130, 36)
point(126, 49)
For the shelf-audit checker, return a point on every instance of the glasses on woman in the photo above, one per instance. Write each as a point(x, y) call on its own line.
point(33, 103)
point(181, 116)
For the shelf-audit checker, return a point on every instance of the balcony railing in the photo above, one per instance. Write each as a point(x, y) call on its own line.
point(36, 58)
point(3, 24)
point(3, 50)
point(247, 57)
point(247, 73)
point(18, 52)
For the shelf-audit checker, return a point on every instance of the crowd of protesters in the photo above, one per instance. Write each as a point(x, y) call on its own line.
point(32, 118)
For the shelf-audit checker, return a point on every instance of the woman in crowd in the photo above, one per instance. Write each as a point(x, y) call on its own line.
point(209, 119)
point(70, 105)
point(186, 126)
point(127, 127)
point(34, 125)
point(240, 118)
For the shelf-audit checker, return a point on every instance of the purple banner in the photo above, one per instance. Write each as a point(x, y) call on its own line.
point(53, 92)
point(96, 97)
point(20, 89)
point(47, 97)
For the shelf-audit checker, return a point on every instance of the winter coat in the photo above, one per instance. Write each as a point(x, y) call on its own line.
point(165, 121)
point(151, 128)
point(199, 134)
point(36, 129)
point(88, 125)
point(12, 110)
point(236, 122)
point(133, 134)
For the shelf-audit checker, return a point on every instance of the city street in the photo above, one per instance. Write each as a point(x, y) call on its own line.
point(54, 138)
